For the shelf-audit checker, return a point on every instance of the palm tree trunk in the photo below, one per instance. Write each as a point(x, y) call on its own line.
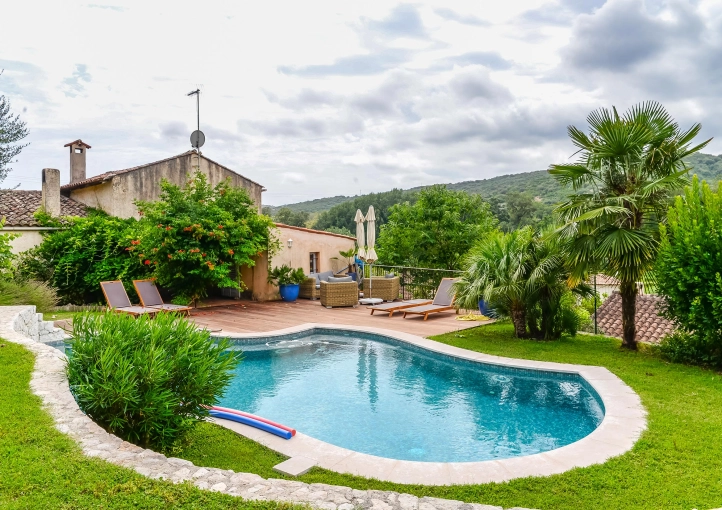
point(518, 318)
point(628, 290)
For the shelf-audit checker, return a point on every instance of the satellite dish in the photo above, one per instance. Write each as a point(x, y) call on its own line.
point(197, 139)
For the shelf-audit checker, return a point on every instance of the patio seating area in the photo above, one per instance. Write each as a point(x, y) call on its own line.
point(233, 316)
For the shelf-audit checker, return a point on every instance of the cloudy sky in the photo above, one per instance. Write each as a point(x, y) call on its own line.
point(321, 98)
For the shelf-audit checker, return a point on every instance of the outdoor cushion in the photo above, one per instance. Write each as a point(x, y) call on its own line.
point(318, 285)
point(323, 277)
point(332, 279)
point(390, 275)
point(115, 294)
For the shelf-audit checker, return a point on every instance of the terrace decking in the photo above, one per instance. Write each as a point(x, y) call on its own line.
point(233, 316)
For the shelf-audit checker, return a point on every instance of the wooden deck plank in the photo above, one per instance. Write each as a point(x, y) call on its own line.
point(238, 316)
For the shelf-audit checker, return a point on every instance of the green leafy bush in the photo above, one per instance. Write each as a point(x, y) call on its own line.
point(90, 250)
point(690, 349)
point(146, 380)
point(199, 236)
point(689, 269)
point(286, 275)
point(30, 292)
point(6, 253)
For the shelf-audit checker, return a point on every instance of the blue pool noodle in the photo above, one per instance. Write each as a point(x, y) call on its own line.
point(285, 434)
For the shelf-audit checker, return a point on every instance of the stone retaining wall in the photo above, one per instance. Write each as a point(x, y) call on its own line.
point(23, 326)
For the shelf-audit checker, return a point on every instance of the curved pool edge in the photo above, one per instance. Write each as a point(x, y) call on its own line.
point(623, 423)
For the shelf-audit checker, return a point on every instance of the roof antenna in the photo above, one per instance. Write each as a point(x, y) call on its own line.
point(197, 136)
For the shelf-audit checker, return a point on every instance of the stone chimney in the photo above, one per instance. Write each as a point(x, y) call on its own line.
point(78, 149)
point(51, 192)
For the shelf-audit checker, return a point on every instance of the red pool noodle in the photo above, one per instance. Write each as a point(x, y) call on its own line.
point(249, 415)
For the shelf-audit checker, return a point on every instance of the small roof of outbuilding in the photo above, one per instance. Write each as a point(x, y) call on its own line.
point(18, 207)
point(651, 326)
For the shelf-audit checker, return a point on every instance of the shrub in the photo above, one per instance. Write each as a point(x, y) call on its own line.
point(688, 269)
point(6, 253)
point(90, 250)
point(683, 347)
point(199, 236)
point(18, 292)
point(146, 380)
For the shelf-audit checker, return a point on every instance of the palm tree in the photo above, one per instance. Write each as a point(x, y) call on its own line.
point(628, 169)
point(497, 272)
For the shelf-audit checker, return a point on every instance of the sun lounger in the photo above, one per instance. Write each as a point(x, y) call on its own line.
point(443, 301)
point(150, 298)
point(118, 300)
point(390, 308)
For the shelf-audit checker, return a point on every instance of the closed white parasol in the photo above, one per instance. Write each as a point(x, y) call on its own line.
point(360, 237)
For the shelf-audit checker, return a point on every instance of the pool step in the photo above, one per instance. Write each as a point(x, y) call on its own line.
point(295, 466)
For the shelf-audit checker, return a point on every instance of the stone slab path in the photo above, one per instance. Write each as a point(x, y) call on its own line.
point(51, 385)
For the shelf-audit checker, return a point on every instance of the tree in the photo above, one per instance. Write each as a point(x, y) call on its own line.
point(199, 236)
point(340, 230)
point(522, 275)
point(497, 270)
point(288, 216)
point(689, 268)
point(85, 252)
point(436, 231)
point(629, 167)
point(6, 253)
point(342, 215)
point(12, 130)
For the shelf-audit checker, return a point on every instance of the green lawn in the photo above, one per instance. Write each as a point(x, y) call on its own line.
point(676, 464)
point(42, 468)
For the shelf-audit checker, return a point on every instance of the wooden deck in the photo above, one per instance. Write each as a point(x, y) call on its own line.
point(232, 316)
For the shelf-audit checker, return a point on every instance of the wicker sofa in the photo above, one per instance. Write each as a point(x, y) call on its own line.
point(385, 288)
point(311, 288)
point(339, 294)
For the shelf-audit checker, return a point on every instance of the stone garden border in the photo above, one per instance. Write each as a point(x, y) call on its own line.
point(623, 423)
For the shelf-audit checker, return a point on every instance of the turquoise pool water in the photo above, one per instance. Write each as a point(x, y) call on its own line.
point(379, 396)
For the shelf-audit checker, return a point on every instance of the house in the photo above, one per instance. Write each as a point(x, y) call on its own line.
point(115, 192)
point(607, 285)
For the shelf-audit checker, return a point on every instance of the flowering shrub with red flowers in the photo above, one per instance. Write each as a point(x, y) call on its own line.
point(198, 237)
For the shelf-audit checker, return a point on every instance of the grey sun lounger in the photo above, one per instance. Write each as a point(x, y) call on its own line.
point(443, 301)
point(118, 300)
point(150, 298)
point(390, 308)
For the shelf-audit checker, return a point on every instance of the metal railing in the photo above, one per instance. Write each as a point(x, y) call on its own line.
point(415, 282)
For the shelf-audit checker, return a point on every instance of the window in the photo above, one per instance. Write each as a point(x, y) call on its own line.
point(78, 150)
point(314, 259)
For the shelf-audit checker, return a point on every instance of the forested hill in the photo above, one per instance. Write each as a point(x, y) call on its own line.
point(339, 211)
point(539, 184)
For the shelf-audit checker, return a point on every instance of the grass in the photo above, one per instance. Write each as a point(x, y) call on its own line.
point(42, 468)
point(676, 464)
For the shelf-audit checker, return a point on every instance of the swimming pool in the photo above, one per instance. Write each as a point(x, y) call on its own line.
point(381, 396)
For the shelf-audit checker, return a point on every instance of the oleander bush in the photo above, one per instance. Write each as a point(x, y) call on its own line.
point(147, 380)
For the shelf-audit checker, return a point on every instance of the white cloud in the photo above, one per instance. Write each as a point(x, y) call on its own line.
point(310, 98)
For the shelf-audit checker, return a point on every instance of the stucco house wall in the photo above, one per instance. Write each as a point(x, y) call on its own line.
point(304, 242)
point(116, 192)
point(28, 238)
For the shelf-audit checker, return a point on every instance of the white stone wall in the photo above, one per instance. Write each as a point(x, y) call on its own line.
point(31, 324)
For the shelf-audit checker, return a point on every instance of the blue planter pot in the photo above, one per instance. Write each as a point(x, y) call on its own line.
point(289, 292)
point(484, 308)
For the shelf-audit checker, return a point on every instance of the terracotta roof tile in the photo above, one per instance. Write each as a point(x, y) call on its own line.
point(18, 206)
point(651, 327)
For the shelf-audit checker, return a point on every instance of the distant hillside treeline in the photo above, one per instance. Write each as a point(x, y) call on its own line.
point(339, 211)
